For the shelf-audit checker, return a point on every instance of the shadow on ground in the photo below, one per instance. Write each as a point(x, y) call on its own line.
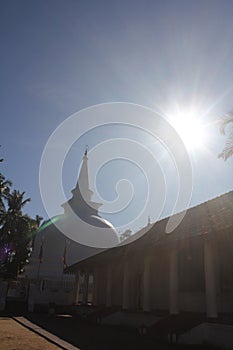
point(88, 336)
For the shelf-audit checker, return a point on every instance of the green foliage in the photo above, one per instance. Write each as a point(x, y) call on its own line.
point(16, 230)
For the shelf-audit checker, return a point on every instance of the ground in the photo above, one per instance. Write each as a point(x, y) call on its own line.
point(84, 335)
point(87, 336)
point(13, 336)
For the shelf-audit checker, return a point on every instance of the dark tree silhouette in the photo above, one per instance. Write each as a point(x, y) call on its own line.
point(16, 230)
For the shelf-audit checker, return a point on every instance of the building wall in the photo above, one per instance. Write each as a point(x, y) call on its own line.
point(52, 290)
point(224, 271)
point(160, 280)
point(117, 284)
point(191, 275)
point(204, 277)
point(99, 285)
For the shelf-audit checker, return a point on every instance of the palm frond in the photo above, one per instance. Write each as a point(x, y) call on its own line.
point(225, 121)
point(16, 201)
point(227, 152)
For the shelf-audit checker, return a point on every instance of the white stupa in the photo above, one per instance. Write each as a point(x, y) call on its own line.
point(83, 233)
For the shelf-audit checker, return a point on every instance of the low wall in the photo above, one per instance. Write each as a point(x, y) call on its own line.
point(211, 334)
point(60, 292)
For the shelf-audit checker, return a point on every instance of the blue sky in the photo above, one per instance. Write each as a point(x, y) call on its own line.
point(58, 57)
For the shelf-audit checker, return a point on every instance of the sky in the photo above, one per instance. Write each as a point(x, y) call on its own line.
point(59, 57)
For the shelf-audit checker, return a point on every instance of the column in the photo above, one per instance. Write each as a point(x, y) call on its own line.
point(146, 302)
point(76, 287)
point(95, 287)
point(109, 287)
point(31, 297)
point(85, 287)
point(125, 301)
point(174, 282)
point(210, 282)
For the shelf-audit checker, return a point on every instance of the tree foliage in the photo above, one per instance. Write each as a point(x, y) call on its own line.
point(16, 230)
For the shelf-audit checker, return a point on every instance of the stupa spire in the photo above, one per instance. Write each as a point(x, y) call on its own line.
point(83, 179)
point(86, 150)
point(81, 202)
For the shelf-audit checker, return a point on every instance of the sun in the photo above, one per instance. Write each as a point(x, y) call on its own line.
point(190, 127)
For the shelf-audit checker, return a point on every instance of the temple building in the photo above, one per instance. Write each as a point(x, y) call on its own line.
point(55, 249)
point(189, 269)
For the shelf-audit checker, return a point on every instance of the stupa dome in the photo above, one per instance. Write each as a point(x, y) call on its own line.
point(80, 232)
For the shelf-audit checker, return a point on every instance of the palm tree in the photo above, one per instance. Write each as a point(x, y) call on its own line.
point(16, 231)
point(16, 201)
point(228, 149)
point(4, 190)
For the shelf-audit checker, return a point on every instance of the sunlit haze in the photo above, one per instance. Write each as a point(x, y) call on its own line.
point(190, 126)
point(59, 57)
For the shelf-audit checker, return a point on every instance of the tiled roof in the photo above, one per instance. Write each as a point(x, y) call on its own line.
point(213, 216)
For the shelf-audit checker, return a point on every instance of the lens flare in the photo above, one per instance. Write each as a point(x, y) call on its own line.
point(190, 127)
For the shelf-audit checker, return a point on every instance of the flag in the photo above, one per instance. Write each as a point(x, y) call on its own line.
point(41, 251)
point(64, 259)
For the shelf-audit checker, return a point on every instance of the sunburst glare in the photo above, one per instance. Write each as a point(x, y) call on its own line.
point(189, 125)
